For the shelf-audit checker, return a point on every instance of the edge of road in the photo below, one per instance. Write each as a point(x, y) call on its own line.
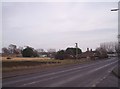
point(32, 71)
point(116, 70)
point(18, 73)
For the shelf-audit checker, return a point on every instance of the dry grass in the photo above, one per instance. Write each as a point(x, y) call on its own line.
point(15, 63)
point(23, 59)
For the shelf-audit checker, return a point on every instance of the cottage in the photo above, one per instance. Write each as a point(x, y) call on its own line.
point(88, 54)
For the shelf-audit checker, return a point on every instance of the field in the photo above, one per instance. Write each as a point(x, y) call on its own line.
point(15, 64)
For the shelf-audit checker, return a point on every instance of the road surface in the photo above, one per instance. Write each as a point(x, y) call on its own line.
point(78, 75)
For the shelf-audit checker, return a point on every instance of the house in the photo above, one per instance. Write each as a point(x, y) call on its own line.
point(89, 54)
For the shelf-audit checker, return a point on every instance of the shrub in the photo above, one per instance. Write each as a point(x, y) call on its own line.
point(29, 52)
point(60, 55)
point(8, 58)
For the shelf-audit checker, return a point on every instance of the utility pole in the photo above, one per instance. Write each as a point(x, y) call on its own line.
point(76, 45)
point(118, 10)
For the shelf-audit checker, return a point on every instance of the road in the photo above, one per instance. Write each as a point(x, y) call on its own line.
point(78, 75)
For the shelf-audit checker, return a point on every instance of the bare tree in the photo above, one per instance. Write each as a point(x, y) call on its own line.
point(40, 50)
point(117, 48)
point(51, 50)
point(5, 50)
point(108, 46)
point(101, 52)
point(12, 48)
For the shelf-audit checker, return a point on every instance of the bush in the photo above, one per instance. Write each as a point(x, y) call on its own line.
point(29, 52)
point(8, 58)
point(71, 52)
point(60, 55)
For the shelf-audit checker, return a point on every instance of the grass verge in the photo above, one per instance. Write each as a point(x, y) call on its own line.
point(116, 71)
point(13, 64)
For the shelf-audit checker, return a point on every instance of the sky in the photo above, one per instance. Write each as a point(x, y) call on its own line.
point(59, 25)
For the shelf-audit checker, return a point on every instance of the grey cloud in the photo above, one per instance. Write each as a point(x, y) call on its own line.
point(57, 25)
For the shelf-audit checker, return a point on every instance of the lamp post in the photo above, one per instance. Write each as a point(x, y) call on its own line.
point(76, 45)
point(114, 9)
point(117, 9)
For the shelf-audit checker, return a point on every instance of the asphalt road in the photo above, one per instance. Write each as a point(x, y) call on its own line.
point(79, 75)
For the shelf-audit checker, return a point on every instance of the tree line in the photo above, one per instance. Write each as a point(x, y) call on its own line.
point(68, 53)
point(31, 52)
point(71, 53)
point(27, 51)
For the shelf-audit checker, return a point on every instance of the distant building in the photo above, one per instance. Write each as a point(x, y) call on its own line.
point(40, 50)
point(51, 50)
point(42, 55)
point(112, 54)
point(88, 54)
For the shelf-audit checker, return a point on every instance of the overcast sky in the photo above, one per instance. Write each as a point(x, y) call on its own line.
point(59, 24)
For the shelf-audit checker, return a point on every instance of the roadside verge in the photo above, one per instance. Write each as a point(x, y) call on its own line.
point(116, 71)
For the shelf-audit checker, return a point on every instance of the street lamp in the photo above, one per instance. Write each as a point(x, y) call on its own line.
point(117, 9)
point(114, 9)
point(76, 45)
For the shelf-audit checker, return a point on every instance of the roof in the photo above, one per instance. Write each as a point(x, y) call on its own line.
point(88, 54)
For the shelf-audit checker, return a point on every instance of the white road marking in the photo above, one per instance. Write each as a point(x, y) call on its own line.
point(57, 73)
point(75, 77)
point(105, 76)
point(50, 74)
point(38, 81)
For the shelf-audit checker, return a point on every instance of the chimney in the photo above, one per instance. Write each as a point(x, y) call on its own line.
point(91, 50)
point(88, 49)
